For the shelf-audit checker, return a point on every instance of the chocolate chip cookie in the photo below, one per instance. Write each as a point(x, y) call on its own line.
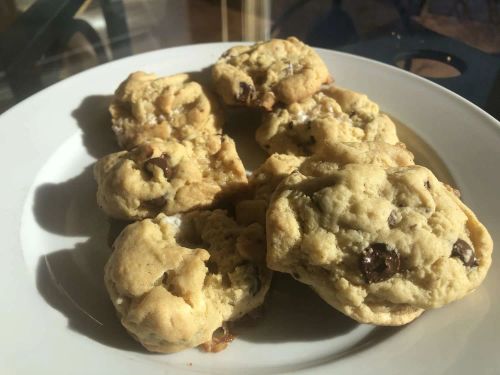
point(168, 176)
point(331, 115)
point(146, 106)
point(330, 157)
point(379, 244)
point(268, 72)
point(173, 285)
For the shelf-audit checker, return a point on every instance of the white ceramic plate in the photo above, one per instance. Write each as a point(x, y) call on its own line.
point(55, 316)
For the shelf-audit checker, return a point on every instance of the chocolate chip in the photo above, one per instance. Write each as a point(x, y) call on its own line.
point(160, 162)
point(148, 151)
point(465, 253)
point(290, 125)
point(246, 92)
point(379, 262)
point(392, 220)
point(427, 184)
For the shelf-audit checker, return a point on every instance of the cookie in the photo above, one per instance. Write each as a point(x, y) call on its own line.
point(173, 286)
point(331, 115)
point(146, 106)
point(265, 73)
point(266, 178)
point(262, 184)
point(168, 176)
point(379, 244)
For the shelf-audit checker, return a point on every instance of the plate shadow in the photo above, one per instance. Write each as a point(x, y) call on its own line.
point(293, 312)
point(72, 280)
point(93, 118)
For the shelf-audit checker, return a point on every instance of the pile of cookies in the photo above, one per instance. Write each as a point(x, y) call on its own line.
point(339, 204)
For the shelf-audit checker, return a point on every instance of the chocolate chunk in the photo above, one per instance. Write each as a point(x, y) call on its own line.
point(246, 92)
point(392, 220)
point(379, 262)
point(160, 162)
point(464, 251)
point(148, 151)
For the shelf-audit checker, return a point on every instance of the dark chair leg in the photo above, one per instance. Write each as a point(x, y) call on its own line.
point(81, 26)
point(116, 25)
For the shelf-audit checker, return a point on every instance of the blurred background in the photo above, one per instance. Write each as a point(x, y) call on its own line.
point(455, 43)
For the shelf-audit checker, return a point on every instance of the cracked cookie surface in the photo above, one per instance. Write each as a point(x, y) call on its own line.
point(168, 176)
point(378, 244)
point(173, 286)
point(265, 73)
point(146, 106)
point(266, 178)
point(331, 115)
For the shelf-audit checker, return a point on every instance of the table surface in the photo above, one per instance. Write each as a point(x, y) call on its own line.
point(453, 43)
